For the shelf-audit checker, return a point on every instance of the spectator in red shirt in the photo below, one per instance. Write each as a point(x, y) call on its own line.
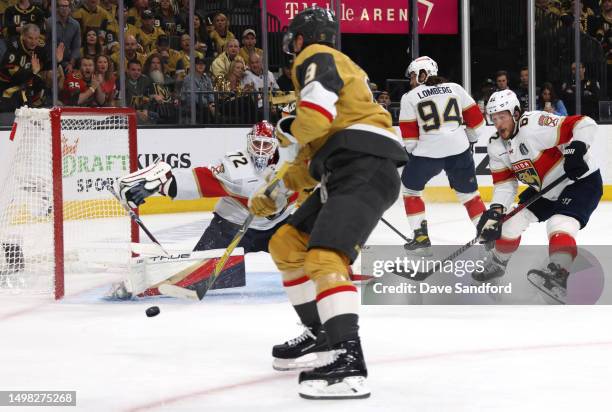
point(105, 76)
point(81, 88)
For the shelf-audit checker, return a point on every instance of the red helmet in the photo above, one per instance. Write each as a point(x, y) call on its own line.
point(262, 145)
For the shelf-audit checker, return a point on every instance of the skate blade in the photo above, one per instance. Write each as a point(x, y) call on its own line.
point(558, 294)
point(308, 361)
point(353, 387)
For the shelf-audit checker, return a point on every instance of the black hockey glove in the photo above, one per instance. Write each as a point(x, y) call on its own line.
point(489, 226)
point(574, 164)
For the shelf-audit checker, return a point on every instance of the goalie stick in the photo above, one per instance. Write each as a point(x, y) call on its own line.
point(200, 292)
point(420, 276)
point(136, 219)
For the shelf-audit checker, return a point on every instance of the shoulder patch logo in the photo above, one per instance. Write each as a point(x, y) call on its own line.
point(545, 120)
point(523, 149)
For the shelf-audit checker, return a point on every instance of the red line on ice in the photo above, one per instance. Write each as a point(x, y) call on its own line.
point(416, 358)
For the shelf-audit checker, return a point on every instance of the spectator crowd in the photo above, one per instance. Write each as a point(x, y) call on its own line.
point(228, 66)
point(228, 71)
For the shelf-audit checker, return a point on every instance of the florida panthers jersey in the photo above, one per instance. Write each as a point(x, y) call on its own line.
point(534, 156)
point(234, 179)
point(432, 120)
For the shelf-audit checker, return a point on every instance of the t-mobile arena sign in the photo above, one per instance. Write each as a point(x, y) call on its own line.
point(379, 16)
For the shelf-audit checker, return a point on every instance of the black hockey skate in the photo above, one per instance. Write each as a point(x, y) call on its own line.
point(309, 350)
point(552, 281)
point(420, 245)
point(492, 268)
point(345, 377)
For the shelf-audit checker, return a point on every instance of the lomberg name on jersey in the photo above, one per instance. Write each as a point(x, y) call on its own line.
point(458, 288)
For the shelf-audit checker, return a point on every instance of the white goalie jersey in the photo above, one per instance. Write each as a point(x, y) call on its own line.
point(234, 179)
point(534, 156)
point(439, 121)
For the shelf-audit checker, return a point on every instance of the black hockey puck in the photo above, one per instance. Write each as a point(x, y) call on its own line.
point(152, 311)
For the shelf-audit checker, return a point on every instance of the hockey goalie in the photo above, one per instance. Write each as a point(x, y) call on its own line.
point(233, 179)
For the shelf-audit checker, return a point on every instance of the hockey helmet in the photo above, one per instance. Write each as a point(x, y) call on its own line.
point(501, 101)
point(423, 63)
point(262, 145)
point(315, 24)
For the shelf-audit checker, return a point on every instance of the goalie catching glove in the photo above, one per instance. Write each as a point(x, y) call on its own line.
point(156, 178)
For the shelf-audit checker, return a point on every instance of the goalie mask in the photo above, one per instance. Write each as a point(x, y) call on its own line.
point(423, 63)
point(262, 146)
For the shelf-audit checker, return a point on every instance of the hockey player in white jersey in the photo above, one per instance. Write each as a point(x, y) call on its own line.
point(537, 148)
point(233, 178)
point(439, 122)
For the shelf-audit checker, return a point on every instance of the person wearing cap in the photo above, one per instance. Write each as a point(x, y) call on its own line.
point(169, 56)
point(148, 33)
point(202, 83)
point(249, 38)
point(221, 34)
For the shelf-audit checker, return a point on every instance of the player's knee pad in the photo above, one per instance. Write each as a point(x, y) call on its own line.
point(562, 224)
point(288, 248)
point(327, 268)
point(515, 226)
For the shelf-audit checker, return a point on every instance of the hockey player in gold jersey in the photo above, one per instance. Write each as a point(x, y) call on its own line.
point(345, 143)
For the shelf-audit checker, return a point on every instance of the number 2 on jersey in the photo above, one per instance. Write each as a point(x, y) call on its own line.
point(430, 115)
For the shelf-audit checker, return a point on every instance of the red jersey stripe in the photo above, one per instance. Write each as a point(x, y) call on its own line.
point(546, 161)
point(502, 175)
point(319, 109)
point(566, 130)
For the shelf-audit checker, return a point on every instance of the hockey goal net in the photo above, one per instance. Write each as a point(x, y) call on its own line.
point(56, 215)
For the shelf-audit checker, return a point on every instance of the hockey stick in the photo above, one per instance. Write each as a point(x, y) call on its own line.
point(419, 276)
point(136, 219)
point(200, 292)
point(394, 229)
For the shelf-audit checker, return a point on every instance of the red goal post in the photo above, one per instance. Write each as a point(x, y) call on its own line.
point(56, 216)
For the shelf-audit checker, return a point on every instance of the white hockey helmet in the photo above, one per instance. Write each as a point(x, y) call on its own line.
point(262, 145)
point(504, 100)
point(422, 63)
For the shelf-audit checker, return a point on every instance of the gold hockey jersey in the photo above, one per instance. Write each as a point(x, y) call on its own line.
point(336, 109)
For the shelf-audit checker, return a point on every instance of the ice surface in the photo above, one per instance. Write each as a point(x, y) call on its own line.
point(215, 355)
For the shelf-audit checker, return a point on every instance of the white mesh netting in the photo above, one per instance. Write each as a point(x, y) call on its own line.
point(95, 153)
